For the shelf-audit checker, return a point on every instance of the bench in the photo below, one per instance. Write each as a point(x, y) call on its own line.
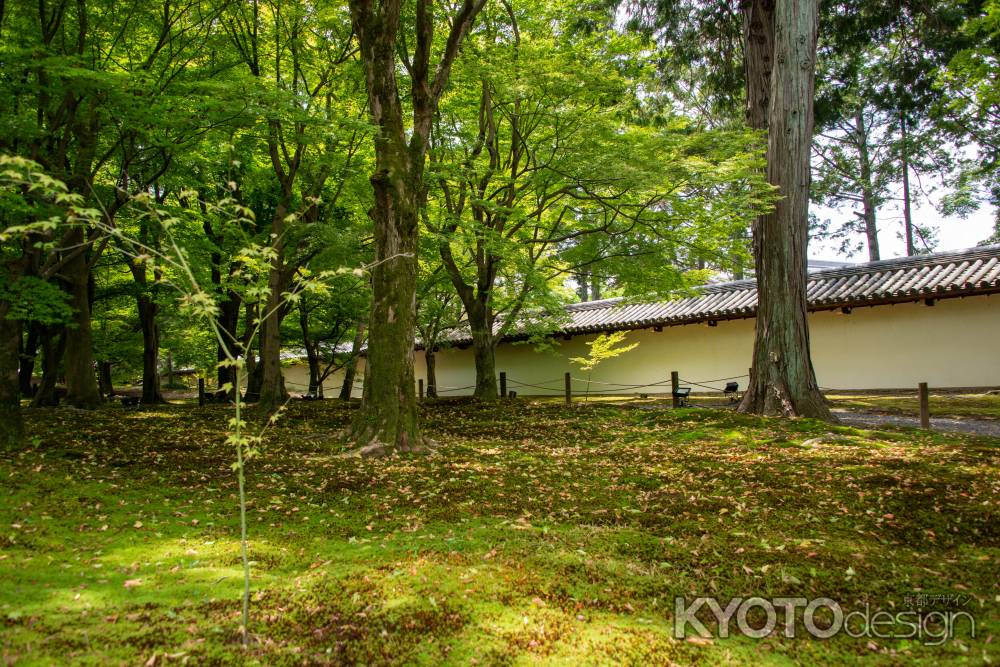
point(681, 397)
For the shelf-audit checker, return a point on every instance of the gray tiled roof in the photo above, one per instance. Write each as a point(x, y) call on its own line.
point(937, 276)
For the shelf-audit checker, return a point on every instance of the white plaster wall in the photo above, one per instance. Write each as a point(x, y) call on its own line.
point(297, 380)
point(955, 343)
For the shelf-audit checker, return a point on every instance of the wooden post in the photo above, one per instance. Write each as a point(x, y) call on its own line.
point(925, 407)
point(675, 383)
point(569, 389)
point(201, 392)
point(503, 384)
point(420, 388)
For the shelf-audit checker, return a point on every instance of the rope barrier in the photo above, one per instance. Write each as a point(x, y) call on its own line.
point(735, 377)
point(558, 382)
point(623, 386)
point(447, 389)
point(698, 384)
point(298, 385)
point(556, 385)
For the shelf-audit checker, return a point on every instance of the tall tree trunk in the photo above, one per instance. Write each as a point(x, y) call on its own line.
point(11, 422)
point(81, 378)
point(483, 348)
point(253, 369)
point(271, 391)
point(595, 287)
point(104, 379)
point(53, 347)
point(351, 370)
point(782, 381)
point(430, 360)
point(738, 269)
point(150, 350)
point(387, 419)
point(312, 353)
point(867, 191)
point(314, 372)
point(272, 382)
point(582, 286)
point(229, 315)
point(905, 160)
point(758, 40)
point(28, 354)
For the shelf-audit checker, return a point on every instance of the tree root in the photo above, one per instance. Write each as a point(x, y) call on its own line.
point(376, 449)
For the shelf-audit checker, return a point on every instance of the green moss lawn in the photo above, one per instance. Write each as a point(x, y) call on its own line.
point(538, 534)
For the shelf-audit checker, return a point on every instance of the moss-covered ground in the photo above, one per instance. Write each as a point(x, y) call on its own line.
point(536, 534)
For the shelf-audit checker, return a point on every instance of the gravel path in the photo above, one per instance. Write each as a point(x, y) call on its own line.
point(869, 419)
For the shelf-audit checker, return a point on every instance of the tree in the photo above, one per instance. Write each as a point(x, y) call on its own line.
point(855, 165)
point(330, 312)
point(780, 65)
point(438, 311)
point(877, 133)
point(387, 420)
point(543, 171)
point(602, 348)
point(34, 211)
point(969, 108)
point(303, 144)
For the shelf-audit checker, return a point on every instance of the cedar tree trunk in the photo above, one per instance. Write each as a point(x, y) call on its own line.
point(782, 381)
point(905, 164)
point(867, 193)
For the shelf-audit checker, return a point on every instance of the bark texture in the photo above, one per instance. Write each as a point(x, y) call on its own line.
point(271, 392)
point(229, 314)
point(904, 150)
point(150, 350)
point(782, 381)
point(484, 347)
point(28, 352)
point(81, 379)
point(53, 347)
point(758, 39)
point(104, 380)
point(430, 361)
point(867, 187)
point(351, 370)
point(387, 420)
point(11, 423)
